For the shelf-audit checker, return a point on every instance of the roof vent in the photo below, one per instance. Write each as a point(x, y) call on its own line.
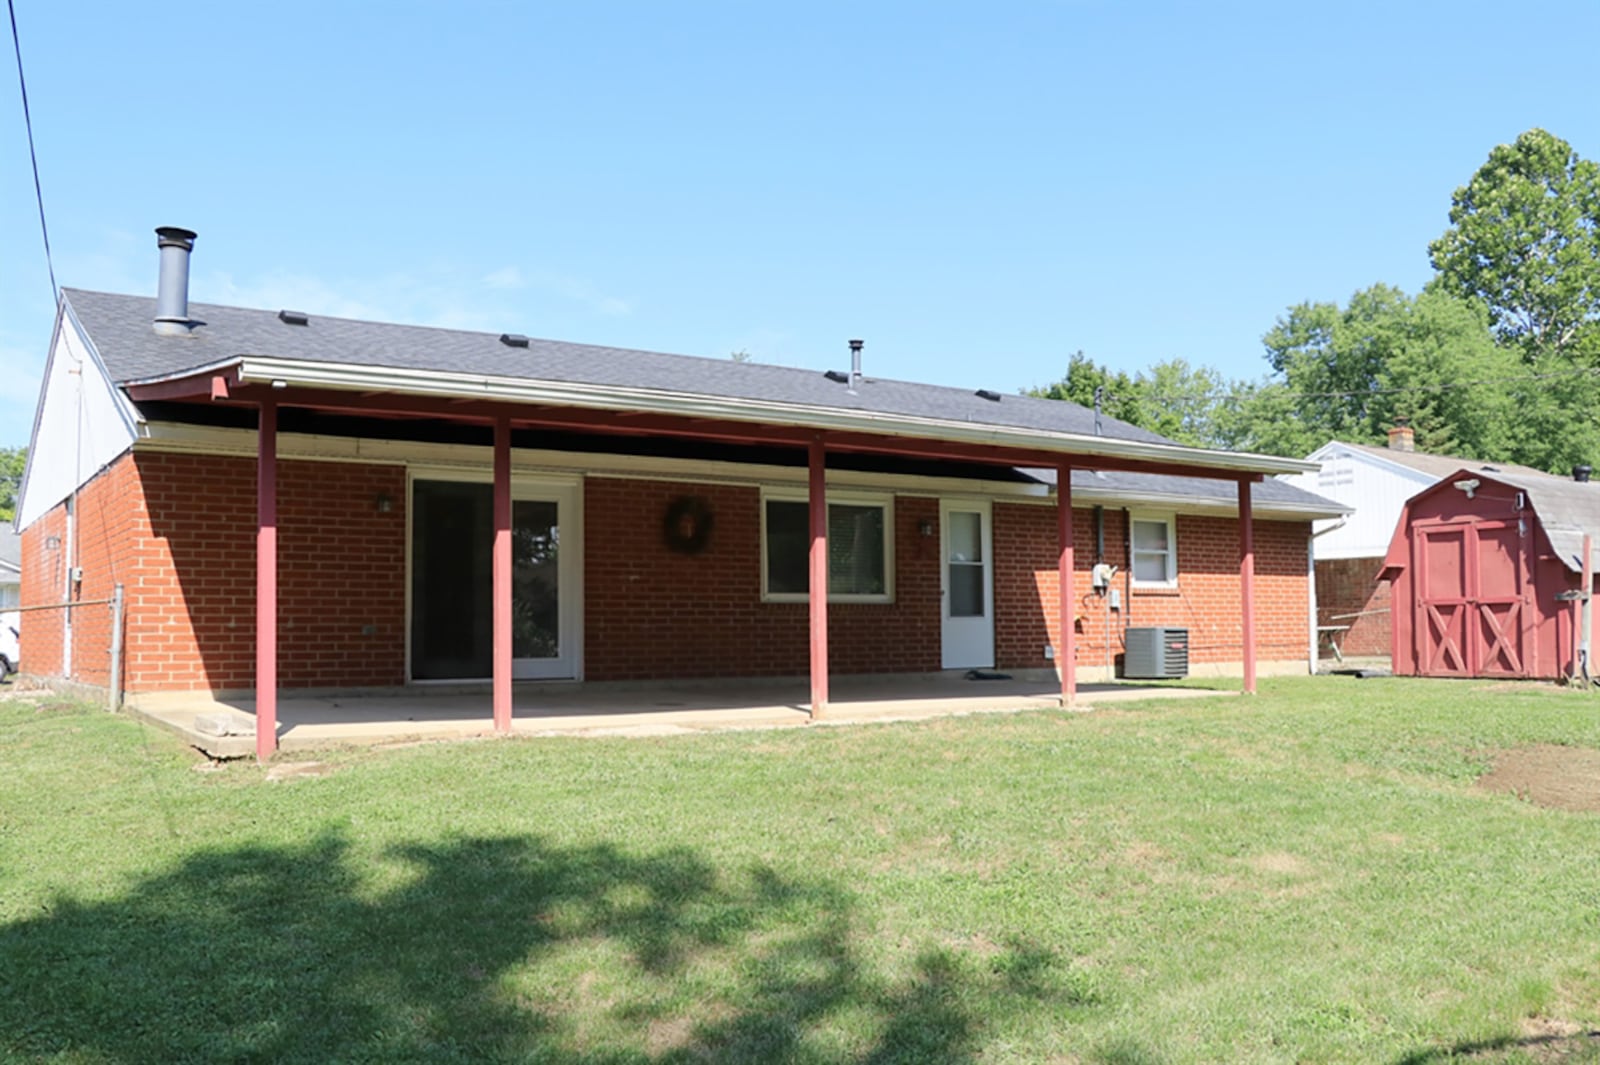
point(513, 340)
point(838, 375)
point(984, 393)
point(172, 290)
point(294, 317)
point(1581, 473)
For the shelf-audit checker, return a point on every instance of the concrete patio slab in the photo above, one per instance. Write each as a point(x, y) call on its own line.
point(224, 727)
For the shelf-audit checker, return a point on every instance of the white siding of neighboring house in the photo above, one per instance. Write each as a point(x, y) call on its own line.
point(1374, 488)
point(83, 423)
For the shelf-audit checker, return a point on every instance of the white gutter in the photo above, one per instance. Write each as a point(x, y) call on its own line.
point(343, 376)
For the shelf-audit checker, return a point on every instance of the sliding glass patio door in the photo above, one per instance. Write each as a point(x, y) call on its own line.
point(452, 575)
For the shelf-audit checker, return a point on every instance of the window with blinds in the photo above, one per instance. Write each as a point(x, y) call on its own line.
point(859, 563)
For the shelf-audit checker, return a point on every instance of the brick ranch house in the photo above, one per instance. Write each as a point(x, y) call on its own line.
point(300, 502)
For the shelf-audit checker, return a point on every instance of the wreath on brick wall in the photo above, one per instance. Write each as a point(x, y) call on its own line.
point(686, 527)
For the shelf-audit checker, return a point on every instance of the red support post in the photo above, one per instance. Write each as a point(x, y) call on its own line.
point(1067, 646)
point(1247, 584)
point(818, 509)
point(502, 575)
point(267, 580)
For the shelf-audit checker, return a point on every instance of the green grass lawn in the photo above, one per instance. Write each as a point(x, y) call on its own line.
point(1309, 875)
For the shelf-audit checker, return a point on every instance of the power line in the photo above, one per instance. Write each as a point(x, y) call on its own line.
point(1375, 391)
point(1519, 379)
point(27, 120)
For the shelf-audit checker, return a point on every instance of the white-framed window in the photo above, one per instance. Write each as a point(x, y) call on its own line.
point(1155, 550)
point(860, 548)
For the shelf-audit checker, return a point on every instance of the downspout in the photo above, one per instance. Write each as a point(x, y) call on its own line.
point(1127, 574)
point(1581, 666)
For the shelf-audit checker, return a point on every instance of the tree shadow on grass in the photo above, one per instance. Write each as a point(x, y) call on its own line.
point(1579, 1046)
point(491, 949)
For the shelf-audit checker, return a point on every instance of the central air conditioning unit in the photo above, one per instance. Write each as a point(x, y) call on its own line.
point(1156, 654)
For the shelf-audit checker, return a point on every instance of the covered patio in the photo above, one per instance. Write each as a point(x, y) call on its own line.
point(270, 385)
point(226, 727)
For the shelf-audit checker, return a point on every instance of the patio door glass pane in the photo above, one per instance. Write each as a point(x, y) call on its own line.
point(452, 580)
point(452, 612)
point(535, 579)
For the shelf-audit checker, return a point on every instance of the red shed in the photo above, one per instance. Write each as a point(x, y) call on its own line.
point(1488, 567)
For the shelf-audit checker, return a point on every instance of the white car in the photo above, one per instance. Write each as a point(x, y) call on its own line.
point(10, 637)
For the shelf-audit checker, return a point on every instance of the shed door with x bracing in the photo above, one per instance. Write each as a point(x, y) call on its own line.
point(1471, 599)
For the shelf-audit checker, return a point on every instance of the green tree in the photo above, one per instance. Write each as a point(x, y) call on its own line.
point(1173, 398)
point(12, 461)
point(1183, 402)
point(1336, 357)
point(1524, 237)
point(1448, 379)
point(1120, 396)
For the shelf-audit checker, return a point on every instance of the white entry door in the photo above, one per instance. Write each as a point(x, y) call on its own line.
point(967, 582)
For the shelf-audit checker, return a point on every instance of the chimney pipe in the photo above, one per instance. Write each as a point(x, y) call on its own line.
point(1581, 473)
point(855, 363)
point(172, 291)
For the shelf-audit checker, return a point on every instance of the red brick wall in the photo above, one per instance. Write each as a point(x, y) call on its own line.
point(1351, 586)
point(651, 612)
point(179, 532)
point(1206, 600)
point(44, 569)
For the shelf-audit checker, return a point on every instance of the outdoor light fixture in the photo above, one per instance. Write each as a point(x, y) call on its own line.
point(383, 503)
point(52, 543)
point(925, 526)
point(1469, 485)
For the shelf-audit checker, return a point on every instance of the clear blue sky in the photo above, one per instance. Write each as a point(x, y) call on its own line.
point(976, 190)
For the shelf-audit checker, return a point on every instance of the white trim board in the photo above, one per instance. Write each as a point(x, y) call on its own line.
point(305, 373)
point(193, 439)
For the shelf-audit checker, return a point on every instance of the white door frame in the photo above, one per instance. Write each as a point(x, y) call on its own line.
point(568, 495)
point(966, 642)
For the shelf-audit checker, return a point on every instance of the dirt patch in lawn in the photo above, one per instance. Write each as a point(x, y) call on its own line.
point(1563, 778)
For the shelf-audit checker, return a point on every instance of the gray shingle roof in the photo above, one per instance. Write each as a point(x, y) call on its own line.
point(120, 328)
point(1270, 494)
point(132, 351)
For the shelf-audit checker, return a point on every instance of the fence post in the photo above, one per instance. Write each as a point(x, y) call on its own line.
point(114, 681)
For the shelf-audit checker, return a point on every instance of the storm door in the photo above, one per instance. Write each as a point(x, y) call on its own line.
point(967, 586)
point(452, 575)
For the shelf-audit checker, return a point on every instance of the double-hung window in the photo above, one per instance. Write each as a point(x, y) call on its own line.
point(1155, 551)
point(860, 548)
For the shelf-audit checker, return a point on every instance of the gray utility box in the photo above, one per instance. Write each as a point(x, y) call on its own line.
point(1156, 654)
